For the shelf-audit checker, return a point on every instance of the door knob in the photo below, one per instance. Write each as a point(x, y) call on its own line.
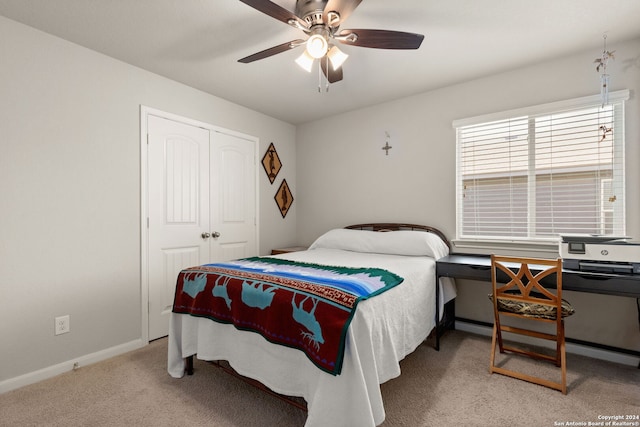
point(215, 234)
point(205, 235)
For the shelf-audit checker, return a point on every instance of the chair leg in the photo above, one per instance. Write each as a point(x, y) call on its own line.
point(563, 360)
point(559, 340)
point(563, 367)
point(494, 341)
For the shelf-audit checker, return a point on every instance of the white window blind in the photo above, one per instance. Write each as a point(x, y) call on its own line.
point(536, 173)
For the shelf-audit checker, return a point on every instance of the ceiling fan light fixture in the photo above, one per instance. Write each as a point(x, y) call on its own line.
point(305, 61)
point(337, 57)
point(317, 46)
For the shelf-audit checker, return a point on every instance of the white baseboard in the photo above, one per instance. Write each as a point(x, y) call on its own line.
point(583, 350)
point(60, 368)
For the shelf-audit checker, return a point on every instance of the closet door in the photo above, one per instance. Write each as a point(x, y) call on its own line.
point(233, 196)
point(179, 212)
point(202, 205)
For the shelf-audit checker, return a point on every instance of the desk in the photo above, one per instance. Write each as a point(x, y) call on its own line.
point(478, 267)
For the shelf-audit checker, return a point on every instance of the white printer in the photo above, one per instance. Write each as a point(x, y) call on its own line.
point(600, 254)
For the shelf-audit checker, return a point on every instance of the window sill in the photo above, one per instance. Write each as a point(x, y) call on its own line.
point(541, 249)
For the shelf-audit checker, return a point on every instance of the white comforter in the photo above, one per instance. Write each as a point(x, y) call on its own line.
point(383, 331)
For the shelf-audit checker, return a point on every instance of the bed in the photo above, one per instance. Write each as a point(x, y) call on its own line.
point(379, 333)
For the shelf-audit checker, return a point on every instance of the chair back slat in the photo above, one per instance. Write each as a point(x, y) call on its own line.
point(525, 282)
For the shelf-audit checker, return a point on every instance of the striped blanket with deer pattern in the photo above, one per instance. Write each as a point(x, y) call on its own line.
point(300, 305)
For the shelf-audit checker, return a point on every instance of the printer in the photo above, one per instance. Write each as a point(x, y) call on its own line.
point(600, 254)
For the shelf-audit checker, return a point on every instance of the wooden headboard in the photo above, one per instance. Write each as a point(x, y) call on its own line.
point(394, 226)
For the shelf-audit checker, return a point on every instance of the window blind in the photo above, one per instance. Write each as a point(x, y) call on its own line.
point(536, 173)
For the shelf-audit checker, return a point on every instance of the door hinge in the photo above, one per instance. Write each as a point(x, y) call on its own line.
point(147, 222)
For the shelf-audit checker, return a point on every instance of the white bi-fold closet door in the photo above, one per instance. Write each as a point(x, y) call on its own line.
point(201, 195)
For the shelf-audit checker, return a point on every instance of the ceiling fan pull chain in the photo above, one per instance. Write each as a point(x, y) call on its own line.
point(326, 81)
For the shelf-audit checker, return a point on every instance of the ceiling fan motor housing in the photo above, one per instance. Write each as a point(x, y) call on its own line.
point(311, 11)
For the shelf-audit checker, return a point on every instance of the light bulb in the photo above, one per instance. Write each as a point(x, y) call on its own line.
point(305, 61)
point(337, 57)
point(317, 46)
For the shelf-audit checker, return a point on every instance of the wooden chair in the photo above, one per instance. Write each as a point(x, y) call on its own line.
point(524, 297)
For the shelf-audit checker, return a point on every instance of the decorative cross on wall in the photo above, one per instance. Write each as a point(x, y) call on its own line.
point(387, 147)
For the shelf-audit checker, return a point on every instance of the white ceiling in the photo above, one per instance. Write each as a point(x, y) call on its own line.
point(198, 43)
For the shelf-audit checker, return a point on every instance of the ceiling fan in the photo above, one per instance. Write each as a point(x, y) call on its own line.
point(321, 20)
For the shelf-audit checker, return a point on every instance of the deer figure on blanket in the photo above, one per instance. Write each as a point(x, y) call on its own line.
point(193, 283)
point(220, 290)
point(257, 294)
point(308, 320)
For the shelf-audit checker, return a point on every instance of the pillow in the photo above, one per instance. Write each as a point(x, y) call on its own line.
point(403, 242)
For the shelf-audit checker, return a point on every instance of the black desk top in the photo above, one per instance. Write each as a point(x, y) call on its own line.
point(478, 267)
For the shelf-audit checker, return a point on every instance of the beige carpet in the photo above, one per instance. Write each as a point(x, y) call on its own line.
point(447, 388)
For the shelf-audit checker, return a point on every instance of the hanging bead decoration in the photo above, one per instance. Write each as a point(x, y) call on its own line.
point(602, 68)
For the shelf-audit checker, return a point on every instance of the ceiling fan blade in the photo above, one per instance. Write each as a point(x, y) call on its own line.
point(331, 74)
point(343, 7)
point(275, 11)
point(271, 51)
point(381, 39)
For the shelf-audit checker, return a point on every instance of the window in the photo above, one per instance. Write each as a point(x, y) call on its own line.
point(539, 172)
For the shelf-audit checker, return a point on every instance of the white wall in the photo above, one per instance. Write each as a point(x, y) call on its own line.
point(344, 177)
point(70, 184)
point(70, 194)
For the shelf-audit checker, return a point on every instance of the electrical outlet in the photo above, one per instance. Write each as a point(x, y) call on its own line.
point(62, 325)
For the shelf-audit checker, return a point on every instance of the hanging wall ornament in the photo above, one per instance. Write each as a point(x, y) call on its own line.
point(271, 163)
point(284, 198)
point(602, 69)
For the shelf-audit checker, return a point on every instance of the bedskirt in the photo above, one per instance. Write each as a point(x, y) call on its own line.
point(352, 398)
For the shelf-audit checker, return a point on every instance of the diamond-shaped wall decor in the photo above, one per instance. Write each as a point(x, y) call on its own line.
point(271, 163)
point(284, 198)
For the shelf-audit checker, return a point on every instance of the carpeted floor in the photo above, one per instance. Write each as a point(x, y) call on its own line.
point(451, 387)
